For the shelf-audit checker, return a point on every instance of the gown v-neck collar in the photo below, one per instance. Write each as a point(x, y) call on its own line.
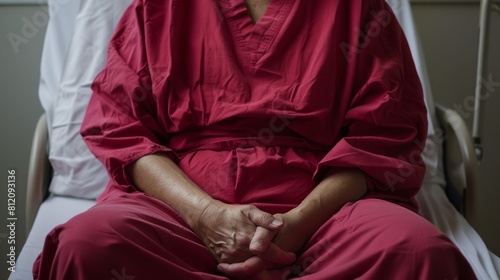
point(255, 39)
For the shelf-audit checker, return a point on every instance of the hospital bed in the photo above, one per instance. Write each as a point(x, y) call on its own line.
point(65, 178)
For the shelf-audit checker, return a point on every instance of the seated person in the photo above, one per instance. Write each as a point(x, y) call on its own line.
point(255, 139)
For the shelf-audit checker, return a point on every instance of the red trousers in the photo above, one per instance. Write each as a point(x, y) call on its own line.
point(135, 236)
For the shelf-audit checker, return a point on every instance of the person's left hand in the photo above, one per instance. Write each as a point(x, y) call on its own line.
point(338, 187)
point(291, 238)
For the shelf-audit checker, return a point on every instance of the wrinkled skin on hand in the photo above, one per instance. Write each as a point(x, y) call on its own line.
point(227, 231)
point(290, 238)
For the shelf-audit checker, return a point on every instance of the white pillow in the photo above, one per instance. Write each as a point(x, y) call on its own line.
point(77, 172)
point(57, 39)
point(432, 154)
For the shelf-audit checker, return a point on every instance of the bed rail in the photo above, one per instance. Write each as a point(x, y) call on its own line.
point(460, 162)
point(39, 172)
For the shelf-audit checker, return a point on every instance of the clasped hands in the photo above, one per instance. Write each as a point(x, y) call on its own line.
point(249, 243)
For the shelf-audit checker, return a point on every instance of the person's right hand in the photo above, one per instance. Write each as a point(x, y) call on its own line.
point(292, 237)
point(227, 230)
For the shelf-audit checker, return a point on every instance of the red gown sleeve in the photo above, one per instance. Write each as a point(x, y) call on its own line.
point(386, 123)
point(121, 124)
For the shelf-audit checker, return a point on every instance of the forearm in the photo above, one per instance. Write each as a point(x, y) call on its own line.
point(333, 192)
point(158, 176)
point(225, 229)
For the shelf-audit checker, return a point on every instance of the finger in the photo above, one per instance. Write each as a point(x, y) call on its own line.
point(245, 269)
point(277, 255)
point(261, 240)
point(262, 246)
point(263, 219)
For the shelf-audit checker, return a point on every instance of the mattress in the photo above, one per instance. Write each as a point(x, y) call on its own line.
point(53, 211)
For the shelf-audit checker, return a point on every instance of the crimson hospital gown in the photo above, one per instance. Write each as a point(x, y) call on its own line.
point(255, 114)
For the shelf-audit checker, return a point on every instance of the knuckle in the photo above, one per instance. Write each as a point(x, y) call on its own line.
point(250, 208)
point(266, 217)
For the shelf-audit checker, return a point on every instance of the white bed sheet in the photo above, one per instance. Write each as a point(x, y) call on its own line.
point(436, 208)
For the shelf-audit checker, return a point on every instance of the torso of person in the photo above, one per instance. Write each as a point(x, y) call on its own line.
point(254, 96)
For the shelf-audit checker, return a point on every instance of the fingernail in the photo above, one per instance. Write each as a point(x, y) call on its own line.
point(277, 223)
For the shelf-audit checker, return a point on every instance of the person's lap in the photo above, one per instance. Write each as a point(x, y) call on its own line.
point(376, 239)
point(137, 235)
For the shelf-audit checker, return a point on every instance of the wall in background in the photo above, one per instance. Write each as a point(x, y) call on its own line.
point(449, 34)
point(26, 2)
point(19, 108)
